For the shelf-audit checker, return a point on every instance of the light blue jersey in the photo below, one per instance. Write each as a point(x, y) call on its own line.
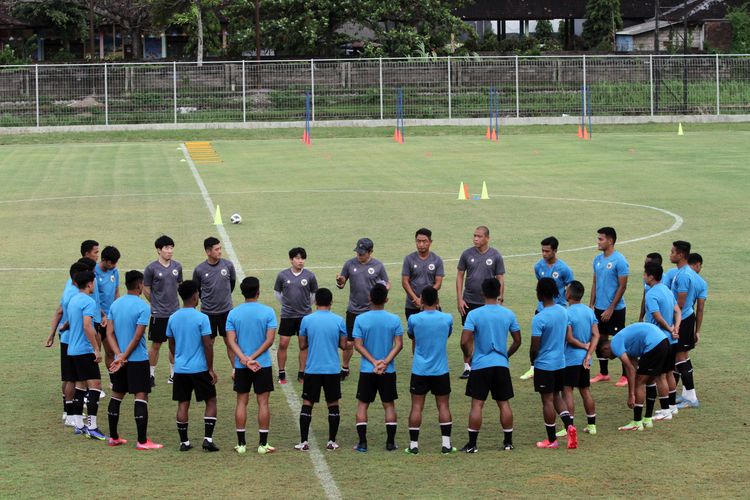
point(323, 330)
point(250, 322)
point(430, 331)
point(636, 339)
point(560, 272)
point(608, 271)
point(490, 324)
point(581, 319)
point(684, 282)
point(660, 299)
point(79, 307)
point(127, 313)
point(107, 283)
point(551, 324)
point(377, 329)
point(188, 327)
point(701, 288)
point(70, 291)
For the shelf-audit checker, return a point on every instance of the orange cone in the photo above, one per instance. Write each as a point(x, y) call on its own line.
point(466, 191)
point(494, 134)
point(487, 135)
point(396, 135)
point(580, 132)
point(586, 136)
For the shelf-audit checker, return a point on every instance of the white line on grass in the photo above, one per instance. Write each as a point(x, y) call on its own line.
point(319, 462)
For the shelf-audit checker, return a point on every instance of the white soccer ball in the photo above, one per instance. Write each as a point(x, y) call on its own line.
point(235, 219)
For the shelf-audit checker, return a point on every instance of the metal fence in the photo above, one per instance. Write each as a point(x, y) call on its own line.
point(365, 89)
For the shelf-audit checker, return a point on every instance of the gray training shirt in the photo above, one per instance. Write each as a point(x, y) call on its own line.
point(295, 291)
point(479, 267)
point(421, 273)
point(163, 282)
point(215, 282)
point(362, 277)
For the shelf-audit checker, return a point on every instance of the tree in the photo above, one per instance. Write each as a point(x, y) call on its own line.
point(544, 31)
point(739, 18)
point(69, 19)
point(198, 14)
point(603, 19)
point(134, 16)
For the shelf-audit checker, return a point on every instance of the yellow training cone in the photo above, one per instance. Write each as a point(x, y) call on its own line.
point(462, 192)
point(217, 217)
point(484, 196)
point(679, 129)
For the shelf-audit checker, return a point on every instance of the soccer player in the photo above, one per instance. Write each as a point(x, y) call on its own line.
point(59, 327)
point(363, 272)
point(108, 284)
point(160, 281)
point(251, 328)
point(421, 269)
point(548, 332)
point(549, 266)
point(128, 319)
point(322, 334)
point(695, 261)
point(581, 340)
point(90, 249)
point(295, 289)
point(83, 349)
point(607, 296)
point(484, 340)
point(477, 264)
point(648, 344)
point(683, 286)
point(662, 311)
point(652, 257)
point(429, 331)
point(189, 334)
point(378, 337)
point(216, 278)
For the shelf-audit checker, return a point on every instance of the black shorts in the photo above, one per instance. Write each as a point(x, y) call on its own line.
point(289, 327)
point(546, 381)
point(186, 383)
point(686, 342)
point(371, 384)
point(157, 329)
point(409, 312)
point(669, 362)
point(495, 380)
point(652, 363)
point(330, 383)
point(218, 324)
point(132, 378)
point(615, 324)
point(101, 330)
point(85, 367)
point(577, 376)
point(350, 317)
point(439, 385)
point(67, 370)
point(245, 379)
point(469, 307)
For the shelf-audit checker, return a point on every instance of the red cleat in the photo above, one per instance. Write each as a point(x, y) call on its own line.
point(148, 445)
point(600, 378)
point(116, 442)
point(623, 382)
point(546, 444)
point(572, 437)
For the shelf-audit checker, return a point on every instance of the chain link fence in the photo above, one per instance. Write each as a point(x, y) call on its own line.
point(365, 89)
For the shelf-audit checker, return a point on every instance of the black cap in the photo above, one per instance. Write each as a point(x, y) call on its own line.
point(364, 245)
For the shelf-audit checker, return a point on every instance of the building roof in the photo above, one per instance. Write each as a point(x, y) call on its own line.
point(646, 27)
point(701, 10)
point(551, 9)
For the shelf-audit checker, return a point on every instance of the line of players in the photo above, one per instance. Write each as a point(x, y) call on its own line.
point(563, 340)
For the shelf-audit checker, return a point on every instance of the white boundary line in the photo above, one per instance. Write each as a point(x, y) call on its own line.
point(678, 220)
point(316, 456)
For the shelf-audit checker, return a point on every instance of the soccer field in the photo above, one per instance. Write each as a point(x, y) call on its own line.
point(649, 183)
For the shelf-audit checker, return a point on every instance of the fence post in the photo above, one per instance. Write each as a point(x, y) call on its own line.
point(718, 91)
point(36, 91)
point(651, 82)
point(244, 95)
point(518, 97)
point(583, 90)
point(174, 89)
point(106, 97)
point(380, 66)
point(450, 111)
point(312, 89)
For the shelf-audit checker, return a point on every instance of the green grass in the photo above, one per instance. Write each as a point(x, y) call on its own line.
point(126, 189)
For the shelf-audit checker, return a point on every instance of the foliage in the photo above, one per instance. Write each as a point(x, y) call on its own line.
point(69, 19)
point(8, 56)
point(739, 18)
point(544, 31)
point(603, 19)
point(198, 18)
